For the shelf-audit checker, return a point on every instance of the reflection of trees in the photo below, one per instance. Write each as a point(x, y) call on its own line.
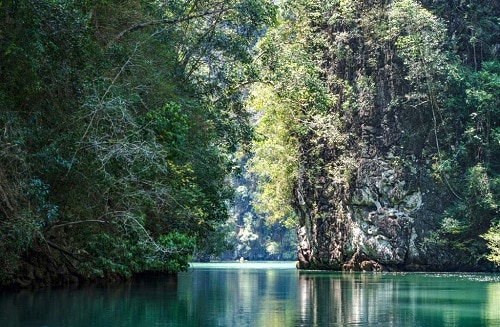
point(141, 303)
point(234, 297)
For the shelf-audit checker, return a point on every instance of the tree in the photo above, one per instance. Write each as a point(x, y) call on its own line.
point(120, 121)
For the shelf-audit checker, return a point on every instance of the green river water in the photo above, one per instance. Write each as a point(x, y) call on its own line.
point(265, 294)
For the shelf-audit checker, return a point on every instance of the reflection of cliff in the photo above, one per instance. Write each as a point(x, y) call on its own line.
point(345, 299)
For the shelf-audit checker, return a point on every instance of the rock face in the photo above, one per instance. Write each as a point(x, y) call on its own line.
point(386, 218)
point(386, 215)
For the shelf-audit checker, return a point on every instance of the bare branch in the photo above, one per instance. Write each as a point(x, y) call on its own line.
point(100, 102)
point(63, 250)
point(166, 21)
point(78, 222)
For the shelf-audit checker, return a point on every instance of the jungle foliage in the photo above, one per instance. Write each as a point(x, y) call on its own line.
point(118, 123)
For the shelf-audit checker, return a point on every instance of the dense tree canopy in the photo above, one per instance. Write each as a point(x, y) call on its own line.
point(119, 120)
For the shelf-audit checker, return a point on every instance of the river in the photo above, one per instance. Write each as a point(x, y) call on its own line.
point(265, 294)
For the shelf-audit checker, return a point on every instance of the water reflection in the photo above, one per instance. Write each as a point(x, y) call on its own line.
point(265, 295)
point(240, 297)
point(343, 299)
point(349, 299)
point(492, 314)
point(130, 304)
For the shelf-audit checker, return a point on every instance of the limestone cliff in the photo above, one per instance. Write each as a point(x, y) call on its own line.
point(387, 214)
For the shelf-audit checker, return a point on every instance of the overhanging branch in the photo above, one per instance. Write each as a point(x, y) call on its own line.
point(77, 222)
point(166, 21)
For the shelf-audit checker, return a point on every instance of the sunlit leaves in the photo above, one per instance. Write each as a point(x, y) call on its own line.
point(419, 37)
point(492, 238)
point(293, 106)
point(276, 157)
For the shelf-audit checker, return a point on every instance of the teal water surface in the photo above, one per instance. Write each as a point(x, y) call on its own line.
point(265, 294)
